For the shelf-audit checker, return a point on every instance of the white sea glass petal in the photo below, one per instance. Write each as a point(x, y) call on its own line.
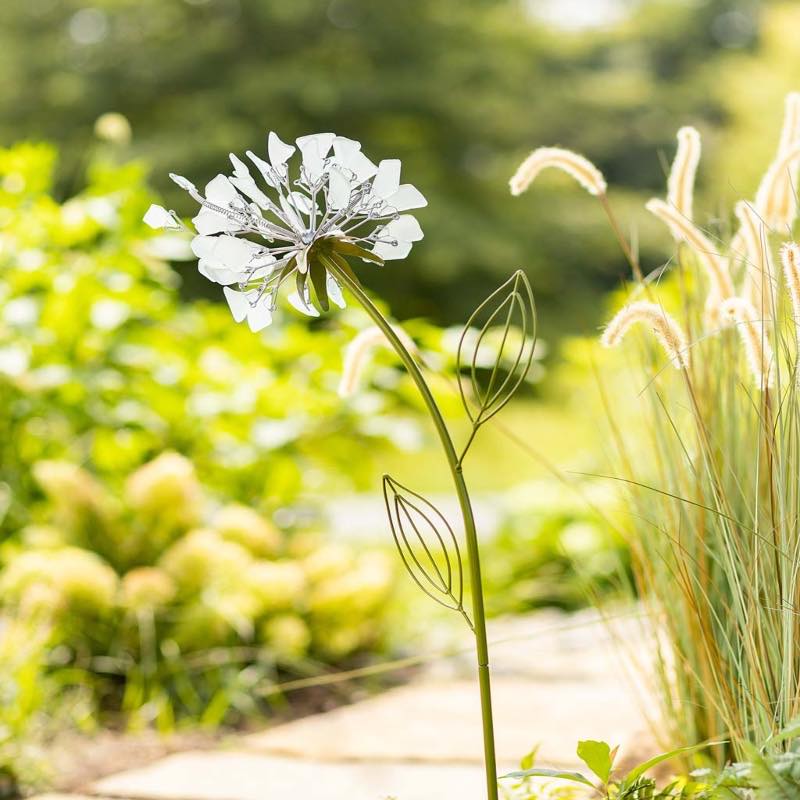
point(334, 291)
point(264, 168)
point(207, 222)
point(291, 215)
point(225, 277)
point(229, 252)
point(302, 261)
point(159, 217)
point(405, 228)
point(345, 148)
point(303, 305)
point(302, 202)
point(238, 303)
point(259, 316)
point(279, 152)
point(221, 191)
point(239, 167)
point(391, 252)
point(349, 156)
point(248, 187)
point(387, 179)
point(314, 149)
point(406, 197)
point(338, 189)
point(184, 183)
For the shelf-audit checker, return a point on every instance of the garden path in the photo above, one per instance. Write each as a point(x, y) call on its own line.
point(556, 679)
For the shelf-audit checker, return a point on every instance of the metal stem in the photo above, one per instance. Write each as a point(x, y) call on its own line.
point(470, 534)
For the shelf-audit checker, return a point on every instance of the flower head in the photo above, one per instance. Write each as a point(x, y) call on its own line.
point(257, 232)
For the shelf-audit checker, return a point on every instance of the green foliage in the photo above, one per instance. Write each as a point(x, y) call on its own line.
point(635, 785)
point(558, 546)
point(459, 91)
point(147, 444)
point(33, 703)
point(171, 608)
point(102, 365)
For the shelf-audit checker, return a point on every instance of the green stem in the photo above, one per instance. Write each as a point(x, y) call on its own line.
point(473, 554)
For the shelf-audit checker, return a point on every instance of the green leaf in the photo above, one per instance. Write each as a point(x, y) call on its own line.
point(790, 731)
point(767, 783)
point(351, 249)
point(342, 264)
point(597, 756)
point(529, 759)
point(639, 770)
point(300, 283)
point(319, 282)
point(541, 772)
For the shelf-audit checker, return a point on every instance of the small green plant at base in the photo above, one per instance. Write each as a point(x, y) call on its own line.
point(603, 781)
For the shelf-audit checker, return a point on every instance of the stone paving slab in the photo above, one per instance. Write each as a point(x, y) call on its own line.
point(440, 722)
point(250, 776)
point(556, 680)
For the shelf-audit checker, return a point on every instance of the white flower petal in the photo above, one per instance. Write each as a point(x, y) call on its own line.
point(303, 305)
point(221, 191)
point(345, 148)
point(302, 261)
point(406, 197)
point(348, 155)
point(334, 291)
point(264, 168)
point(405, 227)
point(238, 303)
point(259, 316)
point(207, 222)
point(239, 167)
point(229, 252)
point(292, 215)
point(389, 252)
point(184, 183)
point(314, 149)
point(387, 179)
point(279, 152)
point(225, 277)
point(338, 189)
point(159, 217)
point(248, 187)
point(244, 182)
point(302, 202)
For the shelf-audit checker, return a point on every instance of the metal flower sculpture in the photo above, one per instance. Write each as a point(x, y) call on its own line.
point(303, 225)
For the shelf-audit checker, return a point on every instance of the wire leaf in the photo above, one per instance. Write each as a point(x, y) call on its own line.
point(427, 545)
point(511, 312)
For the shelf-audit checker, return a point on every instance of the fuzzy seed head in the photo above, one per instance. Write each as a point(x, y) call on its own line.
point(790, 260)
point(666, 330)
point(776, 198)
point(358, 353)
point(759, 279)
point(580, 168)
point(683, 230)
point(680, 186)
point(753, 335)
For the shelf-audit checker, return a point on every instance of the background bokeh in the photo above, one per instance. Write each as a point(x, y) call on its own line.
point(459, 91)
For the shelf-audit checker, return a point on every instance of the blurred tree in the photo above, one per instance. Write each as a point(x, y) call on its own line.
point(460, 91)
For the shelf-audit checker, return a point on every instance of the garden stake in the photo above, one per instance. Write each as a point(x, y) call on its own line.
point(317, 224)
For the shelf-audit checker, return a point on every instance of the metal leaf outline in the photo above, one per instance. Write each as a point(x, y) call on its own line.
point(413, 519)
point(515, 297)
